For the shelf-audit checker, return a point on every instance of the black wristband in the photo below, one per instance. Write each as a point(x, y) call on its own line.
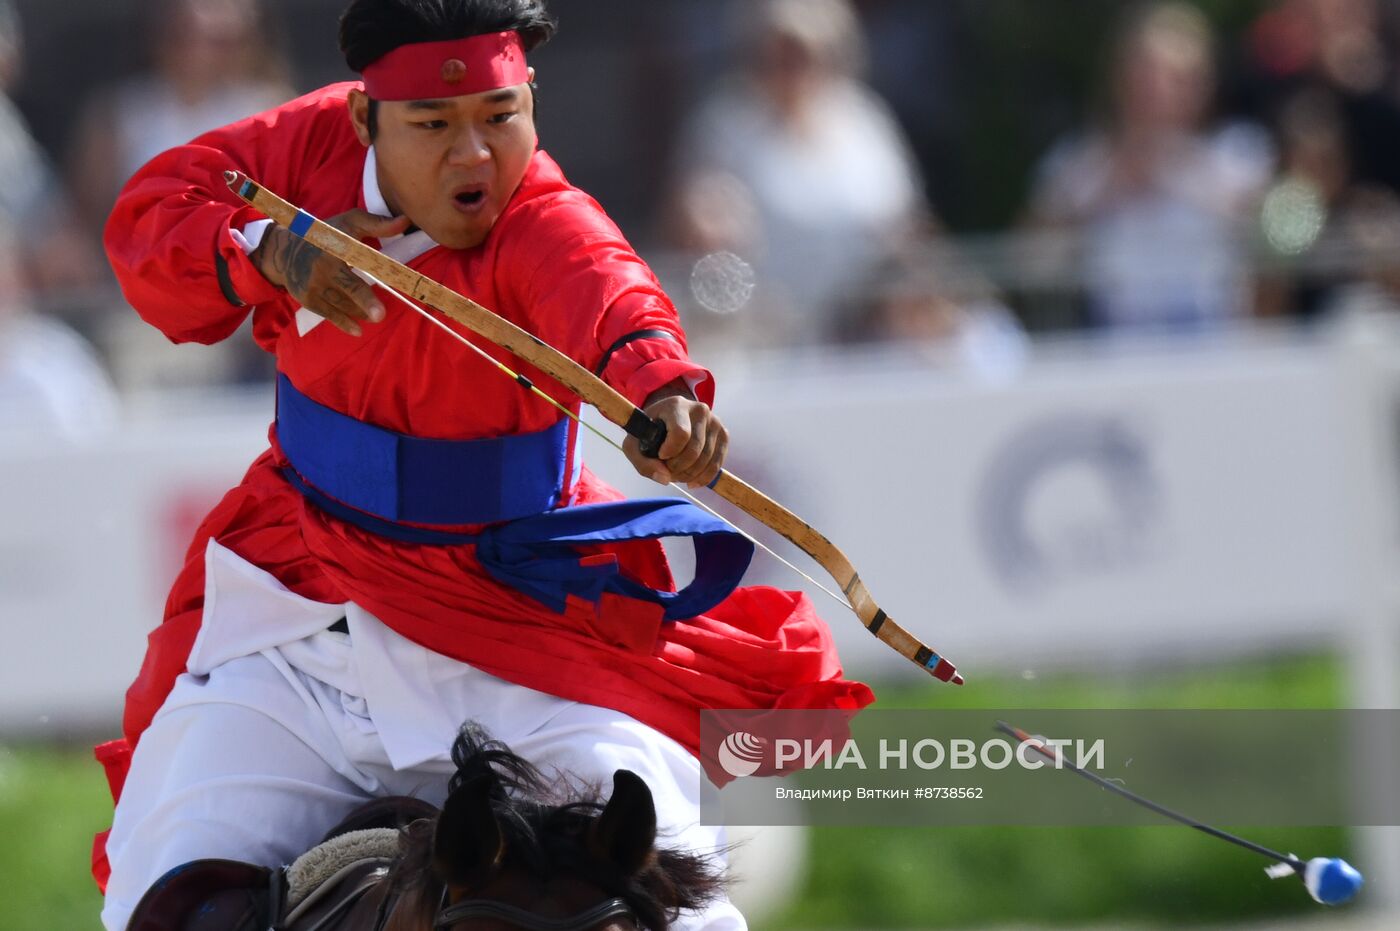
point(226, 281)
point(630, 338)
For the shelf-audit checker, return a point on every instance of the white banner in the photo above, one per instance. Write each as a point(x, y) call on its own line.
point(90, 540)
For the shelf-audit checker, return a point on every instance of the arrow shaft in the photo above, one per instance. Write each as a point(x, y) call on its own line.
point(1060, 762)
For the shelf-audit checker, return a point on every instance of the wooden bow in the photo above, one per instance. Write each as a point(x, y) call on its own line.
point(598, 393)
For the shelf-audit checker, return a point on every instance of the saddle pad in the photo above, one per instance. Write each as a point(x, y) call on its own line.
point(322, 863)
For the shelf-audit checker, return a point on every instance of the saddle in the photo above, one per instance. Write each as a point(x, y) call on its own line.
point(323, 889)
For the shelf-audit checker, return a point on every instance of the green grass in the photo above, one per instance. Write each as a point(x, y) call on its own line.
point(1165, 876)
point(51, 803)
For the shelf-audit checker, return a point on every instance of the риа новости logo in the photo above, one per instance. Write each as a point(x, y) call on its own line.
point(741, 754)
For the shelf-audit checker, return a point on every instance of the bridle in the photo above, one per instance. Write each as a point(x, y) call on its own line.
point(450, 914)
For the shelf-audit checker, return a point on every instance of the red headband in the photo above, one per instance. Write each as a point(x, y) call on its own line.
point(432, 70)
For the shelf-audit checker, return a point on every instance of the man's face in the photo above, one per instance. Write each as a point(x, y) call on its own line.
point(451, 164)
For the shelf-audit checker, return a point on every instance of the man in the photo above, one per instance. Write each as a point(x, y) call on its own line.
point(32, 197)
point(52, 383)
point(384, 571)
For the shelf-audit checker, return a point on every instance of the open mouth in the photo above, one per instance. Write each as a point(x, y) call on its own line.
point(469, 199)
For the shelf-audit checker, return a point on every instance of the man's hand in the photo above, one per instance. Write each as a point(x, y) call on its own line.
point(323, 283)
point(696, 441)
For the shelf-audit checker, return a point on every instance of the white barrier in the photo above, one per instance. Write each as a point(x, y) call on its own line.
point(91, 538)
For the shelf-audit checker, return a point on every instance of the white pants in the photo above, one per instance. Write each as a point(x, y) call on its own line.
point(254, 757)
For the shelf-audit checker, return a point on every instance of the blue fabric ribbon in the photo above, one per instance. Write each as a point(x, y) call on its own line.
point(538, 555)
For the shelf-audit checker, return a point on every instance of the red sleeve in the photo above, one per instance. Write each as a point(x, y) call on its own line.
point(590, 295)
point(174, 217)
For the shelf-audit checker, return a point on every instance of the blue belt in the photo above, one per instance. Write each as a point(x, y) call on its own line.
point(397, 477)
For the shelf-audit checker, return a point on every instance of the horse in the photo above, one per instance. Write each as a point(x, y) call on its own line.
point(508, 849)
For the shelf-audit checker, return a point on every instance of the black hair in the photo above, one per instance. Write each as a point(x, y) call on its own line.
point(371, 29)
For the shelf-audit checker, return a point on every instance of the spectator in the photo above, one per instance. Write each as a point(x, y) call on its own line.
point(797, 166)
point(1332, 237)
point(1372, 231)
point(51, 382)
point(31, 196)
point(1300, 219)
point(1156, 200)
point(212, 65)
point(929, 303)
point(1318, 71)
point(1336, 46)
point(30, 183)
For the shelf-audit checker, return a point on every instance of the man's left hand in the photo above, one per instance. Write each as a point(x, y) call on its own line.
point(695, 446)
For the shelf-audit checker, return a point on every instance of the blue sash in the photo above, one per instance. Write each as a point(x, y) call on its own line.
point(538, 557)
point(398, 477)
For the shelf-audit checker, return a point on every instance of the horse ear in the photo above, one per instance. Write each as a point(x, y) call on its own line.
point(467, 840)
point(625, 833)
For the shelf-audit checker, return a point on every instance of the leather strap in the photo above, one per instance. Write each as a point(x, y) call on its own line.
point(530, 921)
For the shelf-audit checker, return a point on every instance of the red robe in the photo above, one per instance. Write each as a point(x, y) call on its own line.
point(555, 265)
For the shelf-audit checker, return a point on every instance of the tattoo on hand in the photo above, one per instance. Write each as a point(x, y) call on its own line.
point(299, 259)
point(291, 258)
point(346, 278)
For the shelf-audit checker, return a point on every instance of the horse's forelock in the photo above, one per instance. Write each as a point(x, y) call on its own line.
point(475, 755)
point(553, 844)
point(547, 837)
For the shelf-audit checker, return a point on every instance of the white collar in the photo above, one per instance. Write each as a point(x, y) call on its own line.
point(404, 248)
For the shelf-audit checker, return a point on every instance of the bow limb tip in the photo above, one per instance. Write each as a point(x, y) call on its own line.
point(241, 184)
point(937, 666)
point(945, 671)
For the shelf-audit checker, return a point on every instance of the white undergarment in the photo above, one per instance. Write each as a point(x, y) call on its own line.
point(279, 727)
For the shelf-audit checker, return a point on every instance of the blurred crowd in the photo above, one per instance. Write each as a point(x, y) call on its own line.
point(803, 166)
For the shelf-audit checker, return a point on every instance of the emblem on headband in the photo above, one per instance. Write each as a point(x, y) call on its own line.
point(454, 70)
point(450, 68)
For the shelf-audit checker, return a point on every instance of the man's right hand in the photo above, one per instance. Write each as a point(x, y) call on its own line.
point(322, 283)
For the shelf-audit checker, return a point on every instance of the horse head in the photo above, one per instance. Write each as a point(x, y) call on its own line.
point(511, 850)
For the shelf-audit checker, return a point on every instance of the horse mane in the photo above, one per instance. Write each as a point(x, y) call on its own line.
point(544, 826)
